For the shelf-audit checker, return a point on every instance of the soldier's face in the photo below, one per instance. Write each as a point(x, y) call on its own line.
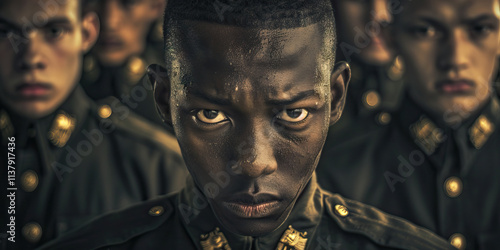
point(253, 116)
point(42, 44)
point(450, 50)
point(360, 24)
point(124, 27)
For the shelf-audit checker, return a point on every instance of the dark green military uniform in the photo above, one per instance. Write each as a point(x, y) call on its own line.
point(82, 161)
point(445, 179)
point(127, 82)
point(319, 220)
point(373, 93)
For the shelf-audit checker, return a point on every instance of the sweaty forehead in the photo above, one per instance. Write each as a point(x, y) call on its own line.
point(37, 13)
point(449, 10)
point(224, 44)
point(225, 61)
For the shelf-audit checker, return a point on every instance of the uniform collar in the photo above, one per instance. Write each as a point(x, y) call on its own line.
point(55, 128)
point(101, 82)
point(301, 224)
point(430, 134)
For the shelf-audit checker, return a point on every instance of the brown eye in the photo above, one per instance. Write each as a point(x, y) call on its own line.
point(481, 30)
point(426, 31)
point(211, 116)
point(293, 115)
point(55, 32)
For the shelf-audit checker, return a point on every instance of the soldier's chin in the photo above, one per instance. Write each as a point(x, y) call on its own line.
point(251, 227)
point(34, 110)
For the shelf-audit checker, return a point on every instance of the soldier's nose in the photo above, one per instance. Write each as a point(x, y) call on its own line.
point(111, 15)
point(258, 159)
point(454, 53)
point(30, 56)
point(380, 11)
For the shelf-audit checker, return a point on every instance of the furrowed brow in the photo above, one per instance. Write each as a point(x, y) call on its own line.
point(298, 97)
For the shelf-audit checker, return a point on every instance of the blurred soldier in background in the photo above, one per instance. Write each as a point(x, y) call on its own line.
point(437, 162)
point(251, 104)
point(131, 39)
point(376, 84)
point(71, 159)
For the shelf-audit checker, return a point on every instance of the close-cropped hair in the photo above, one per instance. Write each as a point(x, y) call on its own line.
point(261, 14)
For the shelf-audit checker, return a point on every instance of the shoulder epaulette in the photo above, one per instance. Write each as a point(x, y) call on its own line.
point(381, 228)
point(126, 120)
point(117, 227)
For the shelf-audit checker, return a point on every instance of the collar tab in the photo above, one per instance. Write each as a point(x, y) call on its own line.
point(62, 128)
point(427, 135)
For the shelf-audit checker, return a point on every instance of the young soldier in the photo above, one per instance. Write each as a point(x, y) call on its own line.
point(436, 164)
point(376, 85)
point(129, 41)
point(250, 92)
point(71, 159)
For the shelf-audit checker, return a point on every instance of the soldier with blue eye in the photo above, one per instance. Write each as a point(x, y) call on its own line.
point(437, 159)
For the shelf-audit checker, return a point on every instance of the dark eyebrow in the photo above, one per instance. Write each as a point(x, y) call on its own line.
point(429, 20)
point(483, 17)
point(212, 99)
point(293, 99)
point(9, 23)
point(51, 21)
point(57, 20)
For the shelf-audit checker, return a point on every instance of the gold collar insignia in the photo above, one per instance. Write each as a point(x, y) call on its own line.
point(292, 240)
point(6, 127)
point(426, 134)
point(214, 240)
point(481, 131)
point(61, 129)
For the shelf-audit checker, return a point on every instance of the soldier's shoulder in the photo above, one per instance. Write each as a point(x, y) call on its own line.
point(382, 228)
point(117, 227)
point(114, 114)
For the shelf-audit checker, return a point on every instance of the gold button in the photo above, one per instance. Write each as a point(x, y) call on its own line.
point(29, 181)
point(371, 99)
point(384, 118)
point(136, 66)
point(453, 186)
point(341, 210)
point(458, 240)
point(64, 122)
point(32, 232)
point(396, 71)
point(105, 111)
point(156, 211)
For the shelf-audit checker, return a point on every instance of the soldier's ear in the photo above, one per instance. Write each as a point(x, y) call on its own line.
point(90, 29)
point(158, 77)
point(339, 82)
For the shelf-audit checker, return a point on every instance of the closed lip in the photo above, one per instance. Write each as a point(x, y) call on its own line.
point(454, 81)
point(33, 84)
point(33, 89)
point(109, 41)
point(454, 84)
point(246, 205)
